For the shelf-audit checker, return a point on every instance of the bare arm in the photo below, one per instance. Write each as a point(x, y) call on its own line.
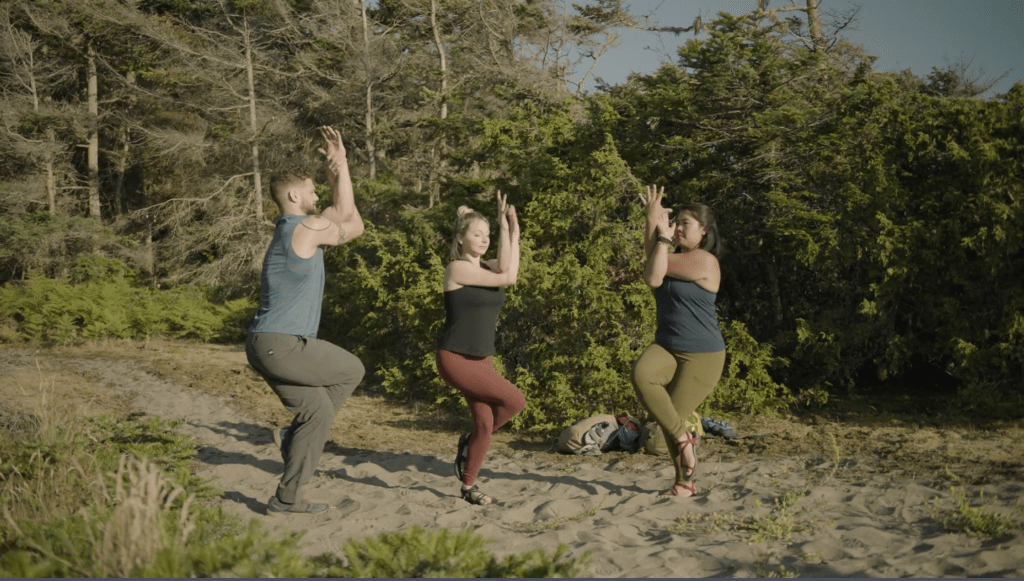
point(513, 244)
point(314, 231)
point(699, 266)
point(461, 273)
point(657, 265)
point(343, 211)
point(504, 248)
point(657, 229)
point(651, 201)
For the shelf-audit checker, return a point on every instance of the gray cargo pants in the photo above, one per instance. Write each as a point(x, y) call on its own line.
point(313, 378)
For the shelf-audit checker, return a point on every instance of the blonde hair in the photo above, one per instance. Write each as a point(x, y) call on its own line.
point(465, 218)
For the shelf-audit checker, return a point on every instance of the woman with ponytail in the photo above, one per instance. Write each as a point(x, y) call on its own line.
point(473, 296)
point(681, 368)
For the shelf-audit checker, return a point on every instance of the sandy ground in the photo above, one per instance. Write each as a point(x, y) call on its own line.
point(851, 493)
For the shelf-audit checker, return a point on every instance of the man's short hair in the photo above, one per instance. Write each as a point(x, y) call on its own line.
point(284, 180)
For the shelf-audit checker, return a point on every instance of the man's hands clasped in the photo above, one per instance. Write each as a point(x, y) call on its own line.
point(335, 152)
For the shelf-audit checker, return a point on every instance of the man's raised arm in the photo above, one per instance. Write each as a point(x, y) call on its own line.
point(342, 211)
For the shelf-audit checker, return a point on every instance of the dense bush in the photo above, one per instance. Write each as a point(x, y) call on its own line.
point(874, 221)
point(100, 299)
point(578, 317)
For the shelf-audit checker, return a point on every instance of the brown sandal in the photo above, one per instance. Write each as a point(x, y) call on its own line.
point(690, 440)
point(688, 486)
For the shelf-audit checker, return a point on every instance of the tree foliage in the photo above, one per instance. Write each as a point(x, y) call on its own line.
point(872, 221)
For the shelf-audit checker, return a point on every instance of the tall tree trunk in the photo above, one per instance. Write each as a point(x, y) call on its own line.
point(51, 183)
point(51, 178)
point(122, 160)
point(93, 135)
point(773, 287)
point(437, 152)
point(814, 25)
point(442, 57)
point(371, 150)
point(257, 181)
point(51, 138)
point(150, 265)
point(122, 167)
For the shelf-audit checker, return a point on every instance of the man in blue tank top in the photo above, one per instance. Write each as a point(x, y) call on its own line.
point(312, 377)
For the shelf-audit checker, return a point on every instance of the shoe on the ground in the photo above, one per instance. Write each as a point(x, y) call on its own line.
point(302, 506)
point(674, 491)
point(473, 495)
point(720, 429)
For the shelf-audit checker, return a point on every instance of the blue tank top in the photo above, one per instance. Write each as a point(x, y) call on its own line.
point(291, 287)
point(687, 318)
point(470, 319)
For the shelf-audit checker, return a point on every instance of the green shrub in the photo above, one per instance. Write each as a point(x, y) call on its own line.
point(99, 300)
point(747, 385)
point(578, 317)
point(976, 521)
point(415, 553)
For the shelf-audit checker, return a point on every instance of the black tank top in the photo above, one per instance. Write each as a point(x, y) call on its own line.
point(470, 319)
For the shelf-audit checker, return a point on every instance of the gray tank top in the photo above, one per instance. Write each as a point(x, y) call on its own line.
point(687, 320)
point(291, 287)
point(470, 319)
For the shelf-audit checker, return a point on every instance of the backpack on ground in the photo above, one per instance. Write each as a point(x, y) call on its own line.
point(601, 433)
point(628, 435)
point(587, 436)
point(652, 437)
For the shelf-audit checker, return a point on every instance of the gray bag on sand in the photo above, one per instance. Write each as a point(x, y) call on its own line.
point(652, 437)
point(588, 436)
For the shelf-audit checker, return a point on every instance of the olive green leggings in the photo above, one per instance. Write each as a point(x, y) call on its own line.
point(671, 384)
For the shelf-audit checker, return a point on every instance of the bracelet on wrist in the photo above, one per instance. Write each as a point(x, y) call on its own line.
point(665, 240)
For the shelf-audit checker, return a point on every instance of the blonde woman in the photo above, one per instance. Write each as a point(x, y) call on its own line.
point(681, 368)
point(473, 296)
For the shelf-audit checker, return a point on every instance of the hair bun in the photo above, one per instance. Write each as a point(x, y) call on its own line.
point(464, 209)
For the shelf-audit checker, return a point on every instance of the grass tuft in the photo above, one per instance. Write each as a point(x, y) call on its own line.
point(777, 525)
point(976, 521)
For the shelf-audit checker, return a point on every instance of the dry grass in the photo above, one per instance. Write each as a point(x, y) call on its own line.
point(38, 412)
point(125, 511)
point(142, 498)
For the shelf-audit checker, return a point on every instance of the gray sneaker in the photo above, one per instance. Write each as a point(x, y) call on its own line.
point(300, 506)
point(720, 429)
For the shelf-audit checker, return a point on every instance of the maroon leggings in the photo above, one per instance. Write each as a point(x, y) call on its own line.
point(492, 399)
